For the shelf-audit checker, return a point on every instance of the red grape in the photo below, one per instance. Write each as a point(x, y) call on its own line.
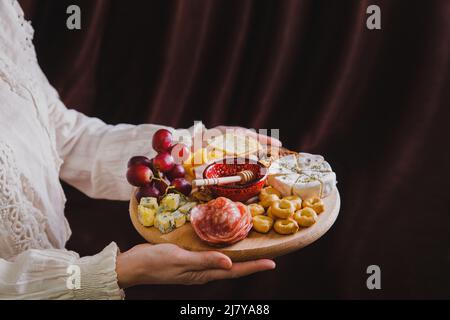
point(162, 141)
point(163, 162)
point(176, 172)
point(139, 175)
point(180, 153)
point(139, 160)
point(147, 191)
point(182, 185)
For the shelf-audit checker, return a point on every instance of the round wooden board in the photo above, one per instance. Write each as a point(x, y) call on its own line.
point(256, 245)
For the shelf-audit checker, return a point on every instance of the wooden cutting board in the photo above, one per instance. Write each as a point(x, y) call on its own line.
point(256, 245)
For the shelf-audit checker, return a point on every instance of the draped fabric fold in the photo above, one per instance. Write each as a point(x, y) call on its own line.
point(375, 103)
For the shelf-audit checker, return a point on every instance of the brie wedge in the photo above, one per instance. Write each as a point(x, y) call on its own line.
point(304, 175)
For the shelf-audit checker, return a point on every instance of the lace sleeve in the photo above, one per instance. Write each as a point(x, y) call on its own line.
point(60, 274)
point(29, 267)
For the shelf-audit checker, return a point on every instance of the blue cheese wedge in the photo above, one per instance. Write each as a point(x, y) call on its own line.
point(149, 202)
point(168, 221)
point(165, 222)
point(304, 175)
point(171, 202)
point(186, 208)
point(179, 219)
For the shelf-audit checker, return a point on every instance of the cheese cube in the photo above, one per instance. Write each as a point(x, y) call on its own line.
point(171, 202)
point(164, 222)
point(183, 200)
point(149, 202)
point(146, 216)
point(186, 208)
point(179, 219)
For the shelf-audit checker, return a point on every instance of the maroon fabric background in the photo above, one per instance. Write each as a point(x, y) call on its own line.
point(374, 103)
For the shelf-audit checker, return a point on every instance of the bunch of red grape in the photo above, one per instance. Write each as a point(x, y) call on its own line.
point(156, 176)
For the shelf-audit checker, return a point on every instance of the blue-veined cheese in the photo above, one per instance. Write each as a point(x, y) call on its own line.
point(165, 222)
point(168, 221)
point(146, 216)
point(171, 202)
point(149, 202)
point(186, 208)
point(179, 219)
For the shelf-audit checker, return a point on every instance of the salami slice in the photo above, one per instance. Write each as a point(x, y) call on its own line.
point(221, 221)
point(242, 230)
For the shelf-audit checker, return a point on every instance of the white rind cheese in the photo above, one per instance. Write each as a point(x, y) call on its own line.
point(284, 183)
point(310, 162)
point(277, 169)
point(314, 184)
point(304, 175)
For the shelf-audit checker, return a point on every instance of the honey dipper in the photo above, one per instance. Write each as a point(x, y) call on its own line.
point(242, 178)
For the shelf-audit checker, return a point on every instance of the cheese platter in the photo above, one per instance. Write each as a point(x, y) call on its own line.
point(245, 205)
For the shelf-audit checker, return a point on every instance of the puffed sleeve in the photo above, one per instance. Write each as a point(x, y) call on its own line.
point(95, 154)
point(60, 274)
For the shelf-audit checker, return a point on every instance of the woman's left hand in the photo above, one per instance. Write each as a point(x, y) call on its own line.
point(169, 264)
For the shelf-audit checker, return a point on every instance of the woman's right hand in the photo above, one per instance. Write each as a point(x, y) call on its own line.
point(169, 264)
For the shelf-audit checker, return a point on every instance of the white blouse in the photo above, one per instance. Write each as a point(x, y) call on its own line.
point(41, 141)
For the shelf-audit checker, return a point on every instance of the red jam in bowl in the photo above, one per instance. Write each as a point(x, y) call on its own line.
point(231, 167)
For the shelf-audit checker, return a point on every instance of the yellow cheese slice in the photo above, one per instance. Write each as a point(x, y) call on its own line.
point(234, 144)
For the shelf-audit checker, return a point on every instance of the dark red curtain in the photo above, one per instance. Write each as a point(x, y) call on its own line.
point(374, 103)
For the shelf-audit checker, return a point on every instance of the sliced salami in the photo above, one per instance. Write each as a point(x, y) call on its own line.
point(221, 221)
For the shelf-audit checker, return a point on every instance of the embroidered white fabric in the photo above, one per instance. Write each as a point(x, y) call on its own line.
point(41, 141)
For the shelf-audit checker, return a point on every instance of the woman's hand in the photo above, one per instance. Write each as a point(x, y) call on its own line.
point(169, 264)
